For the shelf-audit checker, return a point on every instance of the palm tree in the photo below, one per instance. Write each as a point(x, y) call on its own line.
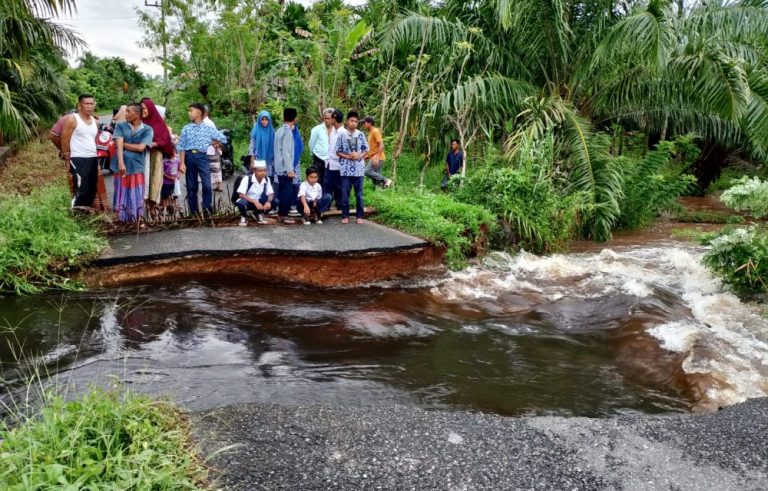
point(703, 70)
point(31, 53)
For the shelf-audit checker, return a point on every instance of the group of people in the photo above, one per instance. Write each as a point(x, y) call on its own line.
point(339, 153)
point(140, 151)
point(148, 160)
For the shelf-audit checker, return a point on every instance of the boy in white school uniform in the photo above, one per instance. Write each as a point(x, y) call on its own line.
point(311, 198)
point(256, 195)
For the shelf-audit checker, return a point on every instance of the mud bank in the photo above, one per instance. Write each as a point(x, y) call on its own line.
point(328, 255)
point(291, 268)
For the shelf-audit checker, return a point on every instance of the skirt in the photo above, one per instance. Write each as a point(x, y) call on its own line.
point(128, 201)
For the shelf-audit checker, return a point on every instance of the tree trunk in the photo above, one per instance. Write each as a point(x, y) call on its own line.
point(426, 164)
point(709, 165)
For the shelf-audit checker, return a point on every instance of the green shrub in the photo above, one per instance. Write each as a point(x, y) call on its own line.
point(748, 194)
point(740, 258)
point(40, 240)
point(459, 227)
point(100, 441)
point(525, 197)
point(652, 184)
point(729, 176)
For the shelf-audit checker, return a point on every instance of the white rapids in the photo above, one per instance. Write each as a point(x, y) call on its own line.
point(723, 341)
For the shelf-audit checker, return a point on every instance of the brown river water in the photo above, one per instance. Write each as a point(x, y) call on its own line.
point(635, 326)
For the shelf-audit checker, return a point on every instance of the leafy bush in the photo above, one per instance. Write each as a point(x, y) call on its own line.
point(459, 227)
point(748, 194)
point(652, 184)
point(740, 258)
point(40, 240)
point(99, 441)
point(526, 198)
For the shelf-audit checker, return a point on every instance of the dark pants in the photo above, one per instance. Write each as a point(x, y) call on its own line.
point(374, 172)
point(285, 194)
point(347, 184)
point(246, 206)
point(317, 206)
point(198, 165)
point(319, 164)
point(85, 175)
point(332, 186)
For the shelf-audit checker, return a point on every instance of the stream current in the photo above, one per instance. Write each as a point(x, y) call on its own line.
point(630, 330)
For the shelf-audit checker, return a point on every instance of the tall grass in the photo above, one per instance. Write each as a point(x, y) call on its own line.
point(40, 241)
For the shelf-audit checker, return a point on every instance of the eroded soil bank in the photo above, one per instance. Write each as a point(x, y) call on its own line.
point(274, 268)
point(327, 255)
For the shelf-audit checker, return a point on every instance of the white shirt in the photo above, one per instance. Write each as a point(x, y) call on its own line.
point(256, 189)
point(211, 150)
point(333, 158)
point(83, 142)
point(310, 192)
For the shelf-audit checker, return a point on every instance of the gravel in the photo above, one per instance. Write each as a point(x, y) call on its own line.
point(308, 447)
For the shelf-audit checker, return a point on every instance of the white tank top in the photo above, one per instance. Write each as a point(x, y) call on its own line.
point(83, 142)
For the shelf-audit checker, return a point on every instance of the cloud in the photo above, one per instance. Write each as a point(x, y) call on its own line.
point(110, 28)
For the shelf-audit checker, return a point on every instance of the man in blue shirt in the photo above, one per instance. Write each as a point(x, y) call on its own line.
point(195, 139)
point(453, 162)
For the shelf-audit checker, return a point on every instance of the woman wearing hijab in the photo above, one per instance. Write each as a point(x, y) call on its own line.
point(162, 148)
point(262, 145)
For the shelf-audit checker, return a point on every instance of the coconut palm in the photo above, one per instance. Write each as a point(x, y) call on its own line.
point(31, 52)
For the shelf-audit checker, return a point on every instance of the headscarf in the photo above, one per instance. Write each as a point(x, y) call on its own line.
point(162, 138)
point(264, 138)
point(298, 145)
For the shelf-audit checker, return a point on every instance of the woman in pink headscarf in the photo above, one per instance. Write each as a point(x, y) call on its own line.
point(162, 147)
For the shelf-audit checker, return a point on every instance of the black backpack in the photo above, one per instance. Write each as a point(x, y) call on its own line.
point(235, 195)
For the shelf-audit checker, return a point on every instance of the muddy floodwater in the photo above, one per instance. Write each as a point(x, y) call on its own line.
point(626, 330)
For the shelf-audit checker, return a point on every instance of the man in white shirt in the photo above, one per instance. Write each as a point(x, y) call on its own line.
point(332, 181)
point(78, 147)
point(256, 194)
point(319, 139)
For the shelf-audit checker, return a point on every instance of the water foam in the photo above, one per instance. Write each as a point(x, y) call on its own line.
point(724, 341)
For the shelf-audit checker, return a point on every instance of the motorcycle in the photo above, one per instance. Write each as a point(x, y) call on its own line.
point(227, 155)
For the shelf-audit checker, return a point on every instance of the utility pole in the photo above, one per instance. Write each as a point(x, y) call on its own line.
point(159, 4)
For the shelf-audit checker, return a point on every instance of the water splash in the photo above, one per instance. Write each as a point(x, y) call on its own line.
point(722, 341)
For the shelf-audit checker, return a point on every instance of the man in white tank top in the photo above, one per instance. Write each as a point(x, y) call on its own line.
point(78, 146)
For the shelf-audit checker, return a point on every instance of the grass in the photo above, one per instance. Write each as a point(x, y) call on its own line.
point(707, 217)
point(41, 242)
point(458, 227)
point(101, 440)
point(698, 236)
point(35, 163)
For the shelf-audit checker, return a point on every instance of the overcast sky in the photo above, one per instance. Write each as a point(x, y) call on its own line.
point(110, 29)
